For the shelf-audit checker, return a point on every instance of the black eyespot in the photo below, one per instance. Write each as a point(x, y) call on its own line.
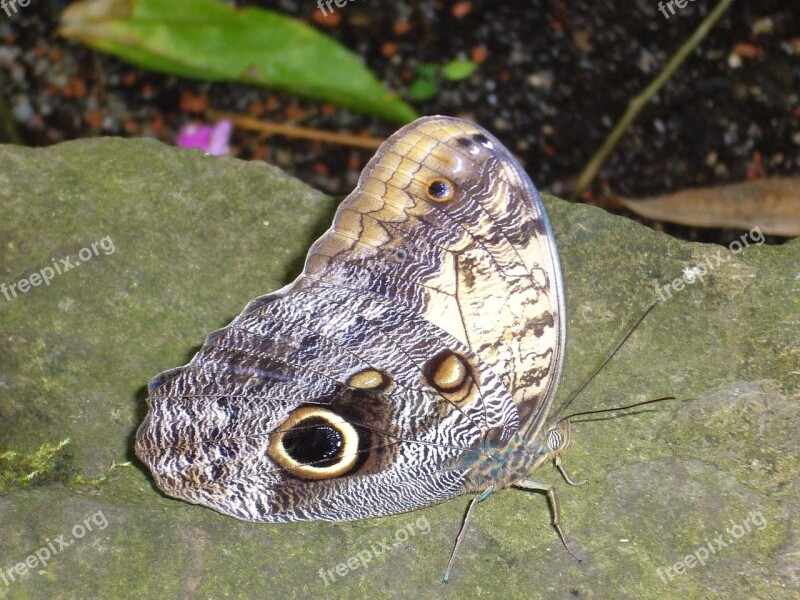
point(440, 190)
point(314, 441)
point(480, 138)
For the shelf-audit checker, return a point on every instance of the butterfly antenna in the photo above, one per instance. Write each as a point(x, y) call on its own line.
point(614, 408)
point(608, 359)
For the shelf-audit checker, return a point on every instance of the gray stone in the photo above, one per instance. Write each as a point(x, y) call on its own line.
point(195, 238)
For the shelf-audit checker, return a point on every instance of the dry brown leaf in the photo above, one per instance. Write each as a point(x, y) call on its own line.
point(772, 205)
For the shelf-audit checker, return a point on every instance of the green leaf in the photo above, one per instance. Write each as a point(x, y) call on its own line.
point(457, 70)
point(423, 89)
point(210, 40)
point(428, 70)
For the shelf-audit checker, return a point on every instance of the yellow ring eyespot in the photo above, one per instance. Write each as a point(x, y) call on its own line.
point(440, 190)
point(315, 443)
point(447, 373)
point(369, 379)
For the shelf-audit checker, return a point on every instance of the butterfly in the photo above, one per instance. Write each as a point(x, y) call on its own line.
point(415, 359)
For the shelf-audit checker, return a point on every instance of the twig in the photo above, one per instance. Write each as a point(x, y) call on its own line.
point(640, 101)
point(294, 131)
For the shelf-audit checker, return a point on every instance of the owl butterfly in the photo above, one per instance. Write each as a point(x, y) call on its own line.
point(413, 360)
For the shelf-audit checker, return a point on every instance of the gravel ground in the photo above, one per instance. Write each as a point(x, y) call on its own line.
point(552, 80)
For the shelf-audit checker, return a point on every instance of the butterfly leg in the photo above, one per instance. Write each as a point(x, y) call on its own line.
point(479, 498)
point(563, 470)
point(527, 484)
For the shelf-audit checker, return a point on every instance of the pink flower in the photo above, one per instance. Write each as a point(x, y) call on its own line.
point(212, 139)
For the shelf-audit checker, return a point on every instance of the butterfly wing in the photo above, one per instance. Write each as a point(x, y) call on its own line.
point(479, 260)
point(424, 327)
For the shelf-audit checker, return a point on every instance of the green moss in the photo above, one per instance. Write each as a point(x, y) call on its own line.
point(47, 464)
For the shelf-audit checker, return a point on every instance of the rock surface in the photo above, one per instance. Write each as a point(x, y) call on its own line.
point(183, 241)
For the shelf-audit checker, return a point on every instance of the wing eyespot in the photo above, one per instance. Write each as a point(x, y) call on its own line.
point(315, 443)
point(440, 190)
point(452, 376)
point(449, 373)
point(369, 379)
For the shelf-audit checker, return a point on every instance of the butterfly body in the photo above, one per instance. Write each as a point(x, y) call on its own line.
point(499, 468)
point(414, 359)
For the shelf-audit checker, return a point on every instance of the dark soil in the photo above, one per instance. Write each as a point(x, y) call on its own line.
point(553, 79)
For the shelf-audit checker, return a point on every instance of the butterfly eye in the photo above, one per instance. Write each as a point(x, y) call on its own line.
point(554, 439)
point(440, 190)
point(315, 443)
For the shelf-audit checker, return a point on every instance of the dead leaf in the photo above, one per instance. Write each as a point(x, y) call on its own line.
point(772, 205)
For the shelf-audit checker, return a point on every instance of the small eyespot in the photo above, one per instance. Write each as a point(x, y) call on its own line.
point(369, 379)
point(440, 190)
point(447, 372)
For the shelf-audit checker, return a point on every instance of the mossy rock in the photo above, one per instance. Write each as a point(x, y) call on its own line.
point(195, 238)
